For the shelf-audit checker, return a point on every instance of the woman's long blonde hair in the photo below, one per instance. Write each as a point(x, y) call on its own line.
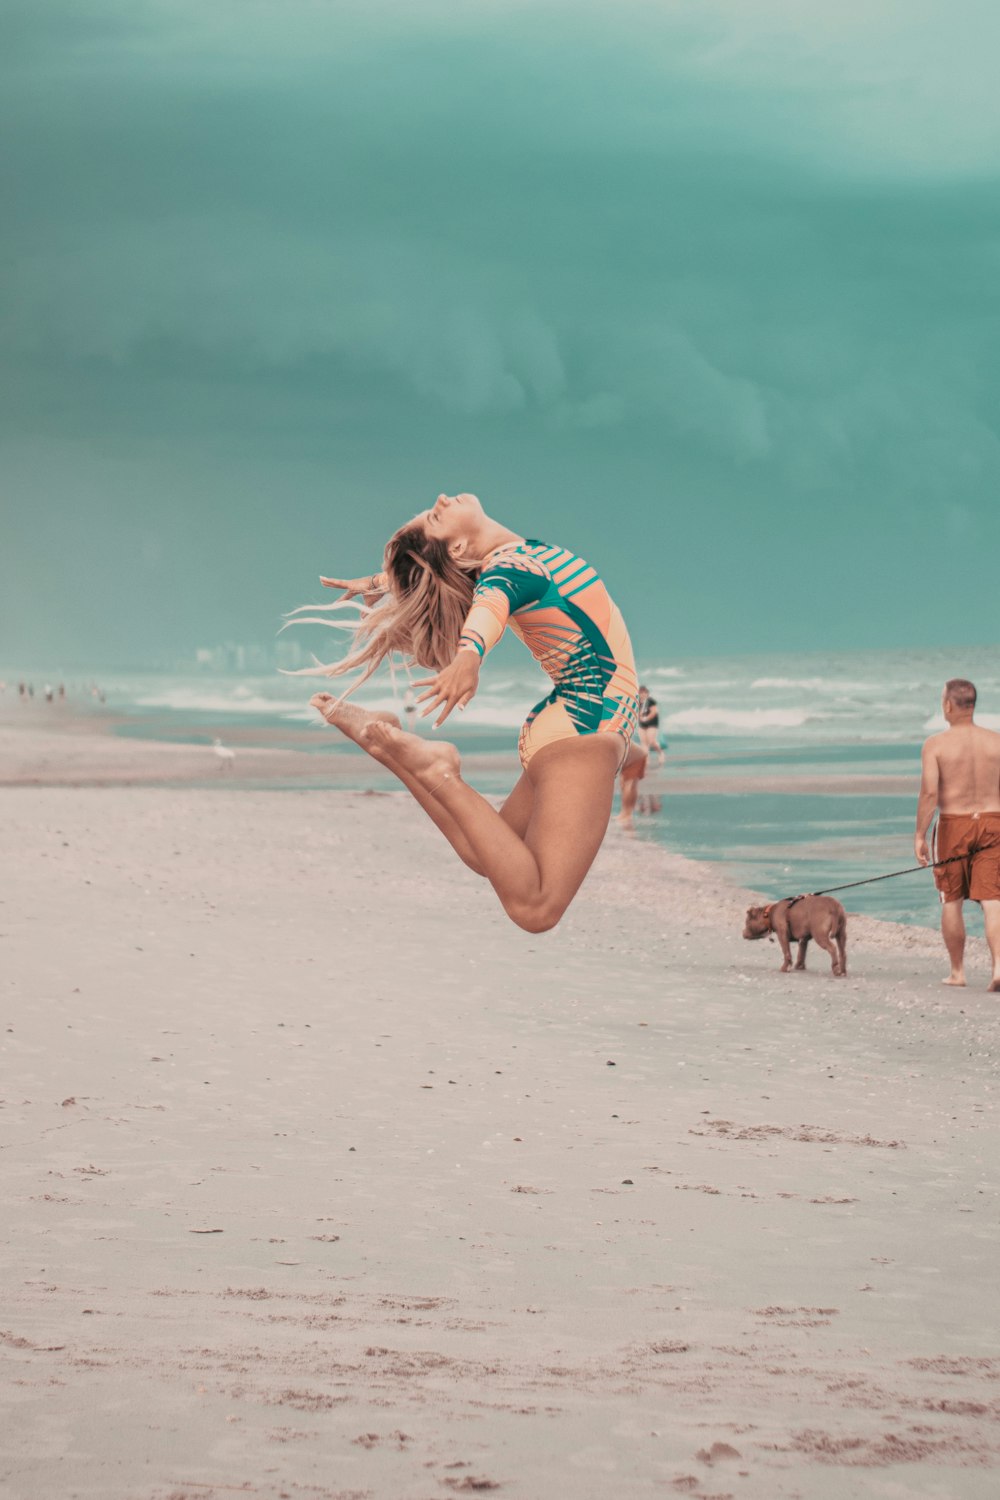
point(419, 619)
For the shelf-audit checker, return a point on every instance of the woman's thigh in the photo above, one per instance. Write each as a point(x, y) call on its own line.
point(573, 785)
point(516, 811)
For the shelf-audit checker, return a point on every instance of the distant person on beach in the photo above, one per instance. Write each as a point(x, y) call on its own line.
point(631, 774)
point(649, 724)
point(453, 580)
point(961, 779)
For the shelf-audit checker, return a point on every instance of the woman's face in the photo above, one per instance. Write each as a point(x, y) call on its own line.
point(452, 518)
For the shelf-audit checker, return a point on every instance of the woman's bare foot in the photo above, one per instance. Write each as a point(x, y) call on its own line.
point(349, 718)
point(428, 761)
point(956, 981)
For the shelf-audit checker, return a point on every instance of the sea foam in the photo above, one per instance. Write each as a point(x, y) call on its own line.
point(738, 720)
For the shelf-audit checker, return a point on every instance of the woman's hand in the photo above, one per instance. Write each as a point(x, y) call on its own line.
point(451, 688)
point(368, 588)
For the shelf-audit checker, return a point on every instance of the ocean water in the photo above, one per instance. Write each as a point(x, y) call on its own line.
point(727, 721)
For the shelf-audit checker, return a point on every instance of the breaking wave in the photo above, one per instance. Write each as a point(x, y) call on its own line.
point(739, 720)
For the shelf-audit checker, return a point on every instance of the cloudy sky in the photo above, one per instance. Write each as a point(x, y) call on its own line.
point(702, 289)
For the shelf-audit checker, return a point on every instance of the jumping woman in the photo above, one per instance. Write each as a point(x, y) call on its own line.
point(453, 580)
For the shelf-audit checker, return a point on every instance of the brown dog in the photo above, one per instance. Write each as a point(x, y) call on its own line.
point(798, 920)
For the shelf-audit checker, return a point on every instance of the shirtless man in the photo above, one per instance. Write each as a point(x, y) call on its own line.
point(961, 779)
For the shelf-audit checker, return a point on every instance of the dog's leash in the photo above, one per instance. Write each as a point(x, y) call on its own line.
point(873, 879)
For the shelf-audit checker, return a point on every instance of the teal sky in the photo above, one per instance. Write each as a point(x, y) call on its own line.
point(706, 291)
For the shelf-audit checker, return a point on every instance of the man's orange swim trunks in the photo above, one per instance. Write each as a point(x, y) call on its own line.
point(976, 836)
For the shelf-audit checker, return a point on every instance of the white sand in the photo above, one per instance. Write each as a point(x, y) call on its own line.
point(322, 1180)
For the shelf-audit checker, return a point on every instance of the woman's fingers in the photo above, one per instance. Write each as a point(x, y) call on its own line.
point(350, 588)
point(440, 700)
point(450, 705)
point(448, 702)
point(447, 691)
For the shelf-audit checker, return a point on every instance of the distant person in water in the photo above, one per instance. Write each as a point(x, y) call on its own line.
point(961, 780)
point(649, 724)
point(454, 579)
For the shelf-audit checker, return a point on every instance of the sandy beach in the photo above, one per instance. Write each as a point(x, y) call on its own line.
point(323, 1180)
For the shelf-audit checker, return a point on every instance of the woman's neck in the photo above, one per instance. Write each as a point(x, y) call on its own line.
point(491, 536)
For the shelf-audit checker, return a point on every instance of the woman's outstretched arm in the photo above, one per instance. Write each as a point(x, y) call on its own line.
point(485, 623)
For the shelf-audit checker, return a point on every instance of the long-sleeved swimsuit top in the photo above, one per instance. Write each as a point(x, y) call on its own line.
point(557, 605)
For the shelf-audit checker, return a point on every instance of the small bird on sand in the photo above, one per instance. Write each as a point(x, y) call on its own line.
point(224, 755)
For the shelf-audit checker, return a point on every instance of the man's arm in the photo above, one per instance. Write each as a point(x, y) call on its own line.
point(927, 802)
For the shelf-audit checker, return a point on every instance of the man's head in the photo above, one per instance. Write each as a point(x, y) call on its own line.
point(959, 699)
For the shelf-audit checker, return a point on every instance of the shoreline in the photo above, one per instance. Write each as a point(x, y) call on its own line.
point(58, 745)
point(79, 752)
point(84, 751)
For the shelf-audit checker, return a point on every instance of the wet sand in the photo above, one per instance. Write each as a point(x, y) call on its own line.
point(323, 1180)
point(54, 746)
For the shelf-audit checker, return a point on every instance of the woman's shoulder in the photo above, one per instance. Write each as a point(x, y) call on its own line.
point(522, 557)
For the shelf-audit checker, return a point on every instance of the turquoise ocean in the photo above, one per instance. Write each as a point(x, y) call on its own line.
point(728, 722)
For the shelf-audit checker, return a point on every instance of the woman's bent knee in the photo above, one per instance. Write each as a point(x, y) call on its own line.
point(538, 916)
